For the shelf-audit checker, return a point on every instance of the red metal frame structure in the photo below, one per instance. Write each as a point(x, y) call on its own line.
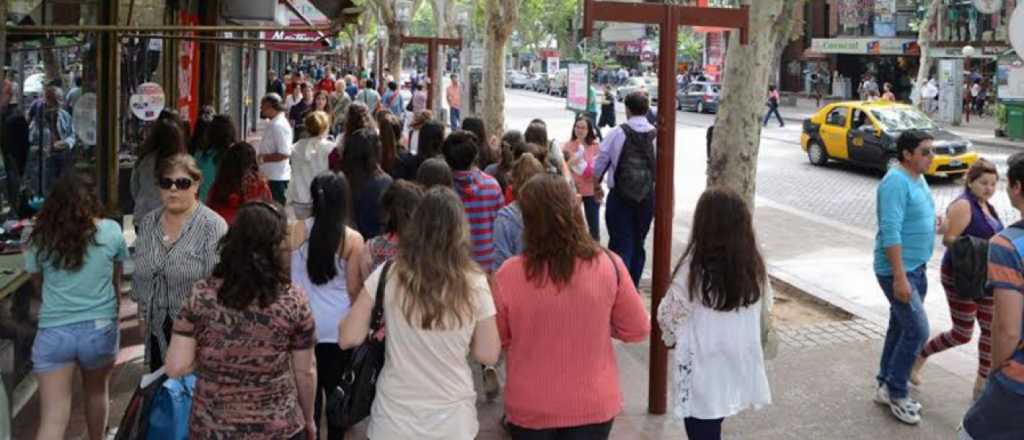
point(432, 43)
point(669, 18)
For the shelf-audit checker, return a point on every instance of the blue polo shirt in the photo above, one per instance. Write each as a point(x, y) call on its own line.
point(906, 217)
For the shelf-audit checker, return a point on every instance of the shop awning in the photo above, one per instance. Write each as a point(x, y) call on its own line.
point(866, 46)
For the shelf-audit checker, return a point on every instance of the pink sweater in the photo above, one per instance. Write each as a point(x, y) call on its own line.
point(562, 370)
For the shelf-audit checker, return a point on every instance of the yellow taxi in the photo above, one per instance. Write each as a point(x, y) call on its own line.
point(865, 133)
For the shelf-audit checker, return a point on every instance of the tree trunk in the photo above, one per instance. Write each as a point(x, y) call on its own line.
point(394, 56)
point(443, 10)
point(502, 16)
point(924, 39)
point(737, 133)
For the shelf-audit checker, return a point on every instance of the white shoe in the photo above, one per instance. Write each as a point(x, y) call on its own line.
point(906, 411)
point(882, 397)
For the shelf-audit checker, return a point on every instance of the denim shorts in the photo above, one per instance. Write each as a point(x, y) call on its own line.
point(91, 344)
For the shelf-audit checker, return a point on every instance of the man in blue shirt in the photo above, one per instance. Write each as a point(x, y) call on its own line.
point(628, 221)
point(903, 246)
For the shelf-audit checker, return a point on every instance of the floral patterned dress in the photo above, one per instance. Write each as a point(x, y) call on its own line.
point(245, 388)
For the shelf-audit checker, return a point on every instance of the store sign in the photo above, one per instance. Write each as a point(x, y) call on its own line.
point(578, 86)
point(553, 64)
point(989, 52)
point(866, 46)
point(1010, 78)
point(290, 41)
point(148, 101)
point(84, 118)
point(188, 73)
point(1017, 30)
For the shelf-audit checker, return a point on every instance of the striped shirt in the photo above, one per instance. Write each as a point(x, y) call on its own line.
point(164, 275)
point(481, 196)
point(1006, 271)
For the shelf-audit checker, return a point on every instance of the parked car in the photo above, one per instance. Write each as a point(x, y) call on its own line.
point(701, 97)
point(538, 82)
point(516, 79)
point(557, 82)
point(865, 133)
point(649, 84)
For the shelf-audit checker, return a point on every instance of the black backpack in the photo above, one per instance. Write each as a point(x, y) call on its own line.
point(634, 174)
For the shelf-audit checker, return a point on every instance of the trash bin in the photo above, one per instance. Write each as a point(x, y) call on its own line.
point(1014, 120)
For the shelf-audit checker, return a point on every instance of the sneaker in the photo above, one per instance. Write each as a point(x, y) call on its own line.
point(882, 397)
point(906, 411)
point(491, 383)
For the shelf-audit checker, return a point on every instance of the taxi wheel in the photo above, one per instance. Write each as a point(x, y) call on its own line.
point(816, 153)
point(700, 107)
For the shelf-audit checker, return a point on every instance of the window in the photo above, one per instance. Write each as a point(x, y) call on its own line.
point(837, 116)
point(900, 119)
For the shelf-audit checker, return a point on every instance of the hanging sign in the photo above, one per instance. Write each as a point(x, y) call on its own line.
point(1017, 30)
point(578, 86)
point(84, 118)
point(148, 101)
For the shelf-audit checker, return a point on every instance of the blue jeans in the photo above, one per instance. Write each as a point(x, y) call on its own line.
point(456, 117)
point(773, 109)
point(592, 212)
point(995, 415)
point(907, 334)
point(91, 344)
point(628, 224)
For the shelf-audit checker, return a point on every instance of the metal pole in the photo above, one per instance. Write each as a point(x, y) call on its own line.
point(108, 83)
point(50, 29)
point(658, 394)
point(431, 60)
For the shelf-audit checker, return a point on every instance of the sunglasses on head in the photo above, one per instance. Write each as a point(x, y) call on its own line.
point(182, 184)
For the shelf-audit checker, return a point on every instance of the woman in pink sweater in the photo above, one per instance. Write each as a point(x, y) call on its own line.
point(557, 303)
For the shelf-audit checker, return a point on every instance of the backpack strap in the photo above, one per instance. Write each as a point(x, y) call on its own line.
point(377, 315)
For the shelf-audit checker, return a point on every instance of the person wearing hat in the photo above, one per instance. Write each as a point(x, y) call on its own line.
point(275, 148)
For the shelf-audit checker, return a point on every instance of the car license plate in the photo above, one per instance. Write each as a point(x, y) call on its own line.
point(955, 163)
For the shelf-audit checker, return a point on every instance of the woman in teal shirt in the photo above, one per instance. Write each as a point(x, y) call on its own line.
point(75, 258)
point(220, 135)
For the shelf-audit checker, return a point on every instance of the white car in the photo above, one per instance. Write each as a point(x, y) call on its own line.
point(636, 83)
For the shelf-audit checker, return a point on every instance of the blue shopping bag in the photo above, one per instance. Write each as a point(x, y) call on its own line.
point(172, 405)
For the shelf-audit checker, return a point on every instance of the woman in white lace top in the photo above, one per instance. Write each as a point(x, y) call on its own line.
point(712, 316)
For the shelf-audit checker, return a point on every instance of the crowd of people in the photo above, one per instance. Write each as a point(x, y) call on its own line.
point(982, 273)
point(257, 268)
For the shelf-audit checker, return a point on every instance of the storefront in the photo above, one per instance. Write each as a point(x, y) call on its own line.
point(888, 60)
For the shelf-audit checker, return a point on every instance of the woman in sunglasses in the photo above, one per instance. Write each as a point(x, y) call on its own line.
point(238, 181)
point(176, 248)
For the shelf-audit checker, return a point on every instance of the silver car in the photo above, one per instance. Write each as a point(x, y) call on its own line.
point(701, 97)
point(645, 83)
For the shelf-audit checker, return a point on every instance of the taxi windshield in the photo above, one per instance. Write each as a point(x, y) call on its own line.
point(902, 119)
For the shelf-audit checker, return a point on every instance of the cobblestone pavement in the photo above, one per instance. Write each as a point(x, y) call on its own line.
point(829, 333)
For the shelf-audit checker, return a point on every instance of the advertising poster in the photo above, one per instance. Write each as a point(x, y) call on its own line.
point(188, 73)
point(885, 18)
point(148, 101)
point(578, 85)
point(552, 64)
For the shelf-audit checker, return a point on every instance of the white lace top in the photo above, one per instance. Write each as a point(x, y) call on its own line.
point(718, 365)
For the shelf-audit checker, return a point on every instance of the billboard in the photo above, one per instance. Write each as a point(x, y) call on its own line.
point(578, 86)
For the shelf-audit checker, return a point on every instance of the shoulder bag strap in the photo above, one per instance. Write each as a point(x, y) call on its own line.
point(618, 279)
point(377, 316)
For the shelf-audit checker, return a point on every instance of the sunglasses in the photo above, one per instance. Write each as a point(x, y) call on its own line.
point(182, 184)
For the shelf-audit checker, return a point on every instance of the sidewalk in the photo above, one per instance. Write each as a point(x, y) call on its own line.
point(981, 131)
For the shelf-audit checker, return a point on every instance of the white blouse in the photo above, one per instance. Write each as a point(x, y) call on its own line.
point(718, 367)
point(309, 159)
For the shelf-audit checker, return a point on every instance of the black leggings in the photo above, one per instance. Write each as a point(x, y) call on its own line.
point(597, 431)
point(331, 362)
point(156, 358)
point(701, 429)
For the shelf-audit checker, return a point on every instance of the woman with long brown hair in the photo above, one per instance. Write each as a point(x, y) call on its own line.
point(563, 273)
point(508, 226)
point(75, 257)
point(390, 140)
point(360, 164)
point(714, 316)
point(358, 117)
point(438, 310)
point(238, 181)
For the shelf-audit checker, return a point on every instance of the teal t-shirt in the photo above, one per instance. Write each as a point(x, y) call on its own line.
point(906, 217)
point(208, 162)
point(86, 294)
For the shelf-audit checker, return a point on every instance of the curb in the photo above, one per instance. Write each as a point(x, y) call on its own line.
point(973, 139)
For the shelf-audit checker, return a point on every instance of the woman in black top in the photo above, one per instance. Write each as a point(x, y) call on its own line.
point(431, 136)
point(361, 164)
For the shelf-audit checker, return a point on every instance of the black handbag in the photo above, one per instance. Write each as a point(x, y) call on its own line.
point(350, 402)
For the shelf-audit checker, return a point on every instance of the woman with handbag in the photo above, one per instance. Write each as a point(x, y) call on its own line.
point(326, 262)
point(714, 316)
point(438, 309)
point(970, 215)
point(249, 334)
point(560, 304)
point(75, 257)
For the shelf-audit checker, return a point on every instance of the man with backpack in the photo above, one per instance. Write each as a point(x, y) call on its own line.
point(996, 412)
point(627, 154)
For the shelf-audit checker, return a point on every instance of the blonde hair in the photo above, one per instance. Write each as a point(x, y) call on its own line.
point(317, 123)
point(434, 265)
